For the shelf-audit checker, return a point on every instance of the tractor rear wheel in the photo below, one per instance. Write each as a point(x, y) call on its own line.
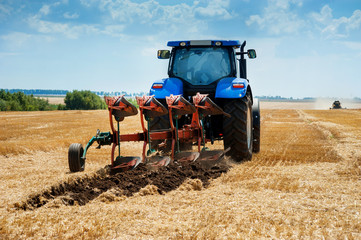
point(76, 163)
point(256, 126)
point(237, 129)
point(161, 123)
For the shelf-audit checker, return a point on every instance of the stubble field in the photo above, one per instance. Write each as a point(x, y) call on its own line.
point(305, 182)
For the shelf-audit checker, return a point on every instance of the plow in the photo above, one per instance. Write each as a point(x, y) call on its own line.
point(150, 107)
point(206, 98)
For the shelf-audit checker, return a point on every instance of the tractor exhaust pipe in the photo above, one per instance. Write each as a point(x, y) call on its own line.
point(243, 63)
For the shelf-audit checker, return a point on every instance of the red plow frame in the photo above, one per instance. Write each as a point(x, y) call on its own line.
point(150, 108)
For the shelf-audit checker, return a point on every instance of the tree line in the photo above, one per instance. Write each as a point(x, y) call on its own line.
point(84, 100)
point(54, 92)
point(18, 101)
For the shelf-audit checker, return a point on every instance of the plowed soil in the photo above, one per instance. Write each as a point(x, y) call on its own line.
point(82, 190)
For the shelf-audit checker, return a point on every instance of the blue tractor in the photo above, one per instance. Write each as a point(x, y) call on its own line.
point(206, 97)
point(217, 68)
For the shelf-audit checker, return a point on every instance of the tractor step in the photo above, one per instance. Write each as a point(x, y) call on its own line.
point(126, 163)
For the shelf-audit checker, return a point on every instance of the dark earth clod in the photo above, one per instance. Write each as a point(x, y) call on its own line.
point(83, 190)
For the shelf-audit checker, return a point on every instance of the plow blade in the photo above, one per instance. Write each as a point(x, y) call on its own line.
point(186, 156)
point(158, 161)
point(179, 105)
point(126, 163)
point(151, 107)
point(206, 158)
point(121, 107)
point(212, 155)
point(206, 106)
point(209, 159)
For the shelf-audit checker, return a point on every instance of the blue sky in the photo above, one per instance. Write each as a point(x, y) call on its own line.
point(305, 48)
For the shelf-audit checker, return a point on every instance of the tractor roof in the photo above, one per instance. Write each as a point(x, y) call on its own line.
point(232, 43)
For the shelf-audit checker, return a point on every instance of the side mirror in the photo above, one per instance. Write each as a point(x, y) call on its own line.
point(251, 53)
point(163, 54)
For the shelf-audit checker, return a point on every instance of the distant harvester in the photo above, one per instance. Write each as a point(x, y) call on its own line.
point(336, 105)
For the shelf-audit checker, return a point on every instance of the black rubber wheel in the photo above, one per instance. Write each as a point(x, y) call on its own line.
point(185, 146)
point(76, 164)
point(162, 122)
point(256, 126)
point(237, 129)
point(159, 123)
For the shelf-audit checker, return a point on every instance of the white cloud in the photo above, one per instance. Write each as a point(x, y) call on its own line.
point(278, 18)
point(354, 21)
point(44, 10)
point(174, 19)
point(146, 12)
point(68, 15)
point(16, 39)
point(72, 32)
point(281, 17)
point(215, 8)
point(171, 19)
point(4, 10)
point(336, 27)
point(354, 46)
point(325, 15)
point(285, 4)
point(88, 3)
point(114, 30)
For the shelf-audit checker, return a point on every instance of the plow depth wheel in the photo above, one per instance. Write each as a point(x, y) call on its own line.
point(76, 164)
point(237, 130)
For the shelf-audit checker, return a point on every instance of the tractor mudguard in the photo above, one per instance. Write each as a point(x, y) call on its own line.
point(165, 87)
point(232, 87)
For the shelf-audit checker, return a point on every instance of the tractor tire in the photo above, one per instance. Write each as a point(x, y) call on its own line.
point(162, 122)
point(159, 123)
point(185, 146)
point(76, 163)
point(256, 126)
point(237, 129)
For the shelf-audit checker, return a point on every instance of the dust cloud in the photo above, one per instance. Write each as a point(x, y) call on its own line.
point(326, 103)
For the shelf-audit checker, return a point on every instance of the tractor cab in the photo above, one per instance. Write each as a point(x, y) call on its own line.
point(201, 64)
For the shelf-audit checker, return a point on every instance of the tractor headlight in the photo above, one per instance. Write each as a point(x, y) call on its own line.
point(218, 44)
point(182, 44)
